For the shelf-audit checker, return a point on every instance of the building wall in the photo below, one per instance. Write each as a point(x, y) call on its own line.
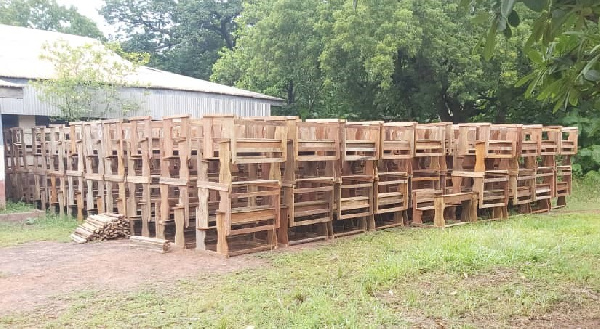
point(26, 121)
point(8, 92)
point(154, 102)
point(158, 103)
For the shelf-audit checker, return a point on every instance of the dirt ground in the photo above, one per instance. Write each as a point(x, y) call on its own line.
point(33, 273)
point(40, 274)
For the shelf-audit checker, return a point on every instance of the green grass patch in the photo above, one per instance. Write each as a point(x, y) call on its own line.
point(485, 274)
point(586, 193)
point(46, 228)
point(16, 207)
point(489, 274)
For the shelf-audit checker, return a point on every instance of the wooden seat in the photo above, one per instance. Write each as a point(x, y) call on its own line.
point(434, 200)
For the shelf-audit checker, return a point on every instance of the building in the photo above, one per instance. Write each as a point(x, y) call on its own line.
point(163, 94)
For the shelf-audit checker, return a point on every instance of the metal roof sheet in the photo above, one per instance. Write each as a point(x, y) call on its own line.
point(21, 58)
point(10, 84)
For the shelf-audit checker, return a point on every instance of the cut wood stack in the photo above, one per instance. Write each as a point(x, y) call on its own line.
point(545, 172)
point(564, 167)
point(360, 148)
point(234, 185)
point(153, 244)
point(528, 150)
point(101, 227)
point(249, 154)
point(485, 157)
point(393, 173)
point(311, 172)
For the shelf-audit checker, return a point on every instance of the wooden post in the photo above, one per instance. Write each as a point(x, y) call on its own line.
point(438, 205)
point(179, 226)
point(202, 218)
point(224, 212)
point(282, 233)
point(222, 246)
point(79, 207)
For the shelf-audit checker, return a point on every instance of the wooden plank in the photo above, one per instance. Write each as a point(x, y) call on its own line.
point(179, 227)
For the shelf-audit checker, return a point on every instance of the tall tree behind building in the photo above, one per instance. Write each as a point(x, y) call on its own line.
point(385, 59)
point(183, 36)
point(47, 15)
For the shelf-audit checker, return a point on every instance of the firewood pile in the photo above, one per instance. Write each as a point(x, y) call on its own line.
point(101, 227)
point(152, 244)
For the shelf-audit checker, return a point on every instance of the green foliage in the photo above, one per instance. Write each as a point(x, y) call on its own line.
point(402, 60)
point(365, 51)
point(183, 36)
point(586, 192)
point(142, 26)
point(88, 80)
point(563, 44)
point(586, 116)
point(280, 47)
point(417, 60)
point(47, 15)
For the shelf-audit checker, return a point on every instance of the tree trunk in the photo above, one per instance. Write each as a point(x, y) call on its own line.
point(229, 42)
point(290, 92)
point(500, 114)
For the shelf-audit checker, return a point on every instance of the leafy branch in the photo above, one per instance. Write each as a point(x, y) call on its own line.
point(89, 79)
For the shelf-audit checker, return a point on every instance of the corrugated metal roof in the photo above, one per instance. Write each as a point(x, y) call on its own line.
point(22, 47)
point(7, 84)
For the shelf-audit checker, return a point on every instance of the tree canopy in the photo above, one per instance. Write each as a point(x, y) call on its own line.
point(525, 61)
point(89, 79)
point(384, 59)
point(183, 36)
point(47, 15)
point(563, 44)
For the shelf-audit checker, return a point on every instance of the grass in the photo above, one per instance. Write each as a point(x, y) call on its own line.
point(533, 270)
point(491, 273)
point(15, 207)
point(586, 194)
point(46, 228)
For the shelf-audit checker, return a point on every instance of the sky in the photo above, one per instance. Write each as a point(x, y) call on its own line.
point(90, 9)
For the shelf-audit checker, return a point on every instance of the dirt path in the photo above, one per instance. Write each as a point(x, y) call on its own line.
point(33, 273)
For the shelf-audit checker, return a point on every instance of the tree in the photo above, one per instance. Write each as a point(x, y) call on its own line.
point(360, 63)
point(210, 16)
point(142, 26)
point(182, 36)
point(88, 80)
point(47, 15)
point(563, 44)
point(384, 59)
point(564, 48)
point(278, 53)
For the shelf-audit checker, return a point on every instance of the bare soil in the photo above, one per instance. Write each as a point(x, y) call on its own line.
point(564, 316)
point(33, 273)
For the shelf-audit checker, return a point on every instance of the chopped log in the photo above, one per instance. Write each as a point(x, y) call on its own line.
point(153, 244)
point(78, 239)
point(83, 232)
